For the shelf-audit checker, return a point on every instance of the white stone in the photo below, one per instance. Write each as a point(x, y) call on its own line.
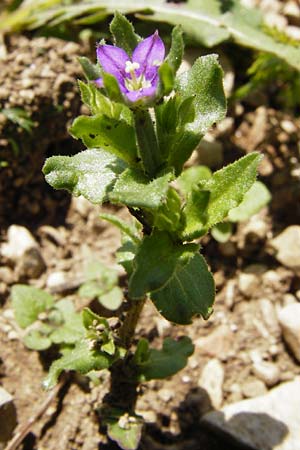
point(266, 371)
point(289, 320)
point(287, 247)
point(253, 388)
point(248, 284)
point(212, 379)
point(19, 240)
point(55, 279)
point(269, 422)
point(8, 415)
point(269, 316)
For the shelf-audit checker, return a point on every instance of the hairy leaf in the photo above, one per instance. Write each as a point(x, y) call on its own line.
point(81, 358)
point(155, 263)
point(90, 173)
point(256, 198)
point(189, 292)
point(28, 302)
point(166, 362)
point(115, 136)
point(134, 189)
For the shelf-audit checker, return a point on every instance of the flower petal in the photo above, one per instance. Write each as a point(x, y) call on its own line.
point(149, 54)
point(134, 96)
point(112, 60)
point(99, 82)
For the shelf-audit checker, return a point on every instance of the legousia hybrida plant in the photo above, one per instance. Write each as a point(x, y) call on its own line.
point(145, 122)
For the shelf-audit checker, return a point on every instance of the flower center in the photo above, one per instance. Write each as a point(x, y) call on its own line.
point(134, 83)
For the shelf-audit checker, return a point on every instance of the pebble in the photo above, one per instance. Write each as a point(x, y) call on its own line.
point(288, 299)
point(31, 264)
point(287, 247)
point(8, 415)
point(56, 279)
point(267, 372)
point(165, 395)
point(269, 316)
point(256, 229)
point(6, 275)
point(81, 205)
point(269, 422)
point(219, 343)
point(163, 326)
point(289, 320)
point(248, 284)
point(253, 388)
point(212, 379)
point(19, 240)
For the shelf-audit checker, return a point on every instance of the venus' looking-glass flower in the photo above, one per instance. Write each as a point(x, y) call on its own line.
point(137, 76)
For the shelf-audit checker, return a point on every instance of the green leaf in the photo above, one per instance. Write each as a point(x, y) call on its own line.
point(91, 71)
point(155, 263)
point(204, 82)
point(124, 428)
point(115, 136)
point(112, 87)
point(221, 232)
point(228, 186)
point(189, 292)
point(169, 215)
point(206, 22)
point(134, 189)
point(112, 299)
point(90, 173)
point(123, 226)
point(81, 358)
point(254, 200)
point(71, 330)
point(123, 33)
point(28, 302)
point(91, 319)
point(166, 77)
point(175, 54)
point(191, 176)
point(38, 339)
point(195, 214)
point(126, 254)
point(167, 361)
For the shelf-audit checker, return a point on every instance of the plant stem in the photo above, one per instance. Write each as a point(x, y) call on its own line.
point(128, 328)
point(147, 140)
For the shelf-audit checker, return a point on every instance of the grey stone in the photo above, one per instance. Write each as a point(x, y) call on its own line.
point(212, 379)
point(31, 264)
point(287, 247)
point(8, 415)
point(289, 320)
point(270, 422)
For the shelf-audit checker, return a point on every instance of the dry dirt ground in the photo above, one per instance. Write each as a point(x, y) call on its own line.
point(251, 283)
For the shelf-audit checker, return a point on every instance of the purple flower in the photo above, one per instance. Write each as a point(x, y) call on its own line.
point(137, 75)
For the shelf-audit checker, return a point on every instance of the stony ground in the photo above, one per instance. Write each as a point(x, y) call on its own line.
point(244, 375)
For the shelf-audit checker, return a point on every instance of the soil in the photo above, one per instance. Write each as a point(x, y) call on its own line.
point(69, 231)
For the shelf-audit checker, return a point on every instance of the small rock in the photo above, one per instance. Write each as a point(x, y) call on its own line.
point(248, 284)
point(253, 388)
point(6, 275)
point(267, 372)
point(293, 32)
point(162, 325)
point(19, 241)
point(265, 423)
point(219, 343)
point(228, 249)
point(288, 299)
point(31, 264)
point(81, 205)
point(256, 229)
point(287, 247)
point(288, 126)
point(165, 395)
point(56, 279)
point(212, 379)
point(289, 320)
point(8, 415)
point(269, 316)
